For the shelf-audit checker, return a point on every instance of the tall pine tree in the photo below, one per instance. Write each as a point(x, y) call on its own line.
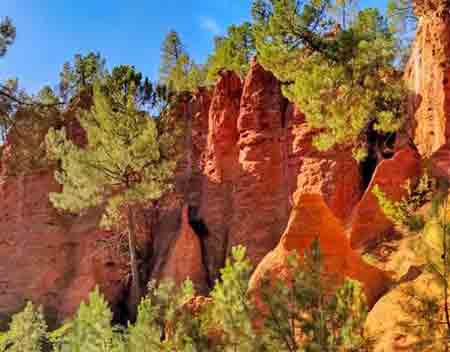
point(125, 163)
point(81, 75)
point(343, 79)
point(232, 52)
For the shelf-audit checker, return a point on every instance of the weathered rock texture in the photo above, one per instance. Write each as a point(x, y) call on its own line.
point(333, 174)
point(428, 77)
point(387, 323)
point(244, 152)
point(260, 194)
point(311, 219)
point(369, 222)
point(53, 259)
point(221, 169)
point(185, 258)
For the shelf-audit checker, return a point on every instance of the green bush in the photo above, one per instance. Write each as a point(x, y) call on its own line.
point(404, 212)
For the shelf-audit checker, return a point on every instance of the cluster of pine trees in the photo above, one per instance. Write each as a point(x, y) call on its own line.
point(310, 314)
point(338, 62)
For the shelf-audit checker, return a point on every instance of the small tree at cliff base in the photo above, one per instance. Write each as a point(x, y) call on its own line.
point(125, 163)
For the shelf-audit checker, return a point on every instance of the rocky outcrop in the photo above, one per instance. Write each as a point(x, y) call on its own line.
point(406, 328)
point(368, 220)
point(185, 258)
point(334, 174)
point(428, 77)
point(221, 169)
point(52, 258)
point(244, 152)
point(260, 198)
point(312, 220)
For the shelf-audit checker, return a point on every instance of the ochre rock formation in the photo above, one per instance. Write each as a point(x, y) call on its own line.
point(185, 258)
point(368, 220)
point(260, 194)
point(221, 169)
point(245, 150)
point(428, 77)
point(387, 323)
point(334, 174)
point(311, 219)
point(49, 257)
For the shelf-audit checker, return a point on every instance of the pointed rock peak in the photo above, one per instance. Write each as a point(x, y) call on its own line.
point(258, 78)
point(310, 220)
point(185, 259)
point(229, 84)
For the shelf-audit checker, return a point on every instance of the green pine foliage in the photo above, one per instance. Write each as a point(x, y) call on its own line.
point(122, 164)
point(125, 163)
point(46, 96)
point(80, 76)
point(8, 107)
point(403, 20)
point(309, 314)
point(311, 311)
point(178, 71)
point(232, 52)
point(404, 212)
point(343, 79)
point(231, 311)
point(171, 52)
point(91, 330)
point(27, 331)
point(7, 35)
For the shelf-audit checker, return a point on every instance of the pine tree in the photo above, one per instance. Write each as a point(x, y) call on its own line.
point(27, 331)
point(7, 35)
point(403, 20)
point(46, 96)
point(81, 75)
point(232, 52)
point(232, 311)
point(344, 80)
point(91, 330)
point(178, 72)
point(345, 12)
point(311, 311)
point(172, 52)
point(123, 79)
point(125, 163)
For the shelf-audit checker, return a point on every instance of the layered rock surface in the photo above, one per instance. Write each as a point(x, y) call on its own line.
point(245, 151)
point(428, 77)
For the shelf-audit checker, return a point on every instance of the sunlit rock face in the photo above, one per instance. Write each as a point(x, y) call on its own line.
point(51, 258)
point(311, 220)
point(369, 222)
point(427, 76)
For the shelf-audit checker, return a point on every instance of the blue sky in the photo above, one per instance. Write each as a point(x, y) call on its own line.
point(50, 32)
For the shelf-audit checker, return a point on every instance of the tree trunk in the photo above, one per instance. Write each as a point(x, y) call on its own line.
point(136, 290)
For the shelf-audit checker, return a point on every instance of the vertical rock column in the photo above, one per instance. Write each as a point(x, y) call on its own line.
point(259, 196)
point(221, 170)
point(427, 77)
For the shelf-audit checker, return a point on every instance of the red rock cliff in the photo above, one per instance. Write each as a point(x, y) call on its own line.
point(245, 152)
point(428, 77)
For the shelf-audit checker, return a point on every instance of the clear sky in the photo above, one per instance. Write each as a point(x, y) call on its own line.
point(50, 32)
